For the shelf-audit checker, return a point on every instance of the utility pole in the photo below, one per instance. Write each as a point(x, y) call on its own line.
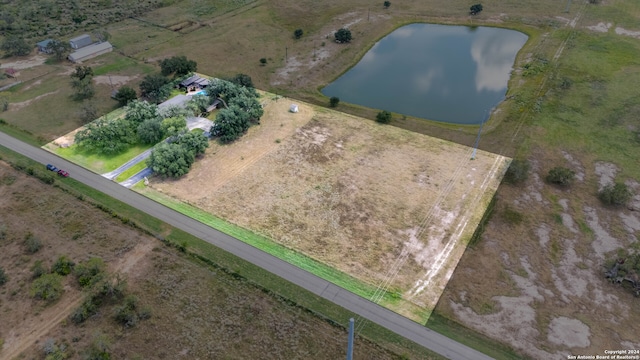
point(475, 146)
point(285, 54)
point(350, 344)
point(368, 12)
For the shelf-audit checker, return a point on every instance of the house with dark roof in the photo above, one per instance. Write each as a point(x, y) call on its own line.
point(90, 51)
point(80, 41)
point(194, 83)
point(43, 46)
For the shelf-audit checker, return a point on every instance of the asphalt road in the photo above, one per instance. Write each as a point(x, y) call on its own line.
point(352, 302)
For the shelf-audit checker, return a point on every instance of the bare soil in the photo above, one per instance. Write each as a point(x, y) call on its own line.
point(387, 206)
point(196, 312)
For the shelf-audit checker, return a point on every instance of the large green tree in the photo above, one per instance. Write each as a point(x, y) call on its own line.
point(125, 94)
point(15, 46)
point(82, 82)
point(194, 141)
point(59, 49)
point(153, 87)
point(106, 136)
point(139, 111)
point(150, 131)
point(173, 126)
point(177, 65)
point(231, 123)
point(343, 35)
point(170, 160)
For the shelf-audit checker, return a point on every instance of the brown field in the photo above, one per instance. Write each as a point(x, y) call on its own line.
point(389, 207)
point(196, 312)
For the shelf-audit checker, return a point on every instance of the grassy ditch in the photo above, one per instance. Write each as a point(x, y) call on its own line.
point(131, 171)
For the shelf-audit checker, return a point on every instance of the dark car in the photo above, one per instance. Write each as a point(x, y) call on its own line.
point(51, 167)
point(63, 173)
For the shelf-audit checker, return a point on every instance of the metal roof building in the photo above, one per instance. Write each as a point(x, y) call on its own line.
point(90, 51)
point(80, 41)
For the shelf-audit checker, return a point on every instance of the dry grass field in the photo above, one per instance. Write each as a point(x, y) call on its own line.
point(196, 312)
point(391, 208)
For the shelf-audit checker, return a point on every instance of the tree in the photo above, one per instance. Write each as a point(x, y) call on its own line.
point(387, 4)
point(173, 126)
point(125, 94)
point(298, 33)
point(517, 172)
point(560, 175)
point(82, 82)
point(615, 194)
point(242, 80)
point(170, 160)
point(383, 117)
point(88, 111)
point(334, 101)
point(59, 49)
point(106, 136)
point(249, 105)
point(138, 111)
point(263, 61)
point(475, 9)
point(150, 131)
point(230, 124)
point(47, 287)
point(152, 87)
point(194, 141)
point(343, 35)
point(15, 46)
point(198, 104)
point(177, 65)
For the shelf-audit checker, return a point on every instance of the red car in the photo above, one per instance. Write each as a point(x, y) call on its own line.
point(63, 173)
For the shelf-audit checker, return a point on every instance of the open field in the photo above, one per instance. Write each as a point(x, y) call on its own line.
point(241, 318)
point(544, 246)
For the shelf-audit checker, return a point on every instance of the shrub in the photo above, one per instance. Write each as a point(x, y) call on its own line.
point(615, 194)
point(298, 33)
point(38, 269)
point(99, 348)
point(334, 101)
point(63, 266)
point(54, 352)
point(126, 314)
point(560, 175)
point(387, 4)
point(86, 310)
point(263, 61)
point(3, 232)
point(343, 35)
point(32, 243)
point(383, 117)
point(3, 277)
point(47, 287)
point(89, 272)
point(517, 172)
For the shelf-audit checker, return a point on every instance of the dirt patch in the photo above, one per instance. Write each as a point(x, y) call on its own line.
point(382, 204)
point(33, 61)
point(115, 80)
point(601, 27)
point(570, 333)
point(607, 173)
point(622, 31)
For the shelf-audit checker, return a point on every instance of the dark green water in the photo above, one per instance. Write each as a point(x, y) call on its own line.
point(453, 74)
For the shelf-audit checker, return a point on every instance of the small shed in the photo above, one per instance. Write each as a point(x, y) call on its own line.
point(80, 41)
point(90, 51)
point(11, 72)
point(293, 108)
point(43, 46)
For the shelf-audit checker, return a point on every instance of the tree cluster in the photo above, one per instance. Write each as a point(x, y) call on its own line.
point(59, 49)
point(174, 159)
point(475, 9)
point(178, 66)
point(82, 82)
point(616, 194)
point(153, 87)
point(242, 109)
point(15, 46)
point(383, 117)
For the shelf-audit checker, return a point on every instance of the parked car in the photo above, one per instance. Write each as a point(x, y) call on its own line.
point(63, 173)
point(51, 167)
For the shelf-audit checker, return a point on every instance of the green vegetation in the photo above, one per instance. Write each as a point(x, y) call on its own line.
point(177, 66)
point(63, 266)
point(90, 271)
point(475, 9)
point(615, 194)
point(517, 172)
point(153, 88)
point(243, 108)
point(98, 162)
point(383, 117)
point(131, 171)
point(82, 82)
point(297, 34)
point(47, 287)
point(3, 277)
point(561, 176)
point(386, 4)
point(334, 101)
point(125, 94)
point(31, 243)
point(15, 46)
point(343, 35)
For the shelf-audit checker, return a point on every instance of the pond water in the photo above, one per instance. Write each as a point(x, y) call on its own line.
point(453, 74)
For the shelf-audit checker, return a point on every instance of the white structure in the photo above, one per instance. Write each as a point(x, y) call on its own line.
point(80, 41)
point(293, 108)
point(90, 51)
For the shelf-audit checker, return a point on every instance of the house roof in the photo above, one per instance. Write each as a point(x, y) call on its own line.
point(82, 40)
point(89, 50)
point(195, 79)
point(44, 43)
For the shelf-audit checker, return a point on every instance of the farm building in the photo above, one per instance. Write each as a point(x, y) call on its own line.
point(194, 83)
point(43, 46)
point(90, 51)
point(80, 41)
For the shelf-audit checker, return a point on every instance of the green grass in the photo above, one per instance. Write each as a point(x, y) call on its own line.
point(97, 162)
point(131, 171)
point(271, 247)
point(116, 63)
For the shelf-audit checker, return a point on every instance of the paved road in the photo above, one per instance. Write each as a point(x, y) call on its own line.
point(354, 303)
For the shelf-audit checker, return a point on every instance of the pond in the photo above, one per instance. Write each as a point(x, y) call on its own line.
point(453, 74)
